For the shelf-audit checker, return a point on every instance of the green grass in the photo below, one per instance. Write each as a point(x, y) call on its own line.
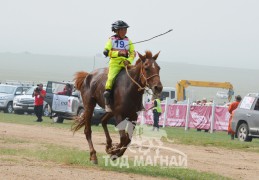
point(47, 122)
point(75, 157)
point(179, 135)
point(216, 139)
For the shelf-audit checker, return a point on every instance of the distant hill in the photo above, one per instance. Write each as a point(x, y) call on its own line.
point(34, 67)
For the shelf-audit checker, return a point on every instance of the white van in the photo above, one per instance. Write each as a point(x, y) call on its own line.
point(166, 92)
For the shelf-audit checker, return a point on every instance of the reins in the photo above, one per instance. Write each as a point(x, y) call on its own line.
point(142, 75)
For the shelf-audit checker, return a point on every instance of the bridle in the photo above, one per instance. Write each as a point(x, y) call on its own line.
point(147, 86)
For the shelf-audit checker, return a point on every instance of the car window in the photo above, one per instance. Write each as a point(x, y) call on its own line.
point(19, 90)
point(257, 105)
point(55, 87)
point(164, 95)
point(247, 102)
point(58, 88)
point(25, 89)
point(30, 91)
point(7, 89)
point(172, 94)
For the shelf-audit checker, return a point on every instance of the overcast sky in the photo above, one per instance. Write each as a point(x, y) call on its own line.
point(207, 32)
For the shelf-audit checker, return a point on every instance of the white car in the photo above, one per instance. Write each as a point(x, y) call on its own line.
point(25, 103)
point(8, 93)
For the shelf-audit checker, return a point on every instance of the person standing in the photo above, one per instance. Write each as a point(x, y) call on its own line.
point(121, 52)
point(157, 110)
point(39, 95)
point(231, 108)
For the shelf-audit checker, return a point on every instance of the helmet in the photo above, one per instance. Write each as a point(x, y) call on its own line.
point(119, 24)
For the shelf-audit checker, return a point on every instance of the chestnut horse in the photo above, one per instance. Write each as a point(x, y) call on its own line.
point(126, 98)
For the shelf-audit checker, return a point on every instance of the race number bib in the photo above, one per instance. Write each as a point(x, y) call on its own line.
point(120, 44)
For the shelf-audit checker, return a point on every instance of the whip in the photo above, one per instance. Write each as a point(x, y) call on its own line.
point(142, 41)
point(151, 38)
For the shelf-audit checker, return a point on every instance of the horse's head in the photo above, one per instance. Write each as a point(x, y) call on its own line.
point(150, 72)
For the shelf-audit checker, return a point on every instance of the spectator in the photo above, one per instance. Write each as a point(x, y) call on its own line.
point(67, 91)
point(210, 103)
point(204, 101)
point(39, 95)
point(231, 108)
point(198, 102)
point(156, 112)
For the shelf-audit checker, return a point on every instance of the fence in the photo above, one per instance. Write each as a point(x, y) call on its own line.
point(211, 117)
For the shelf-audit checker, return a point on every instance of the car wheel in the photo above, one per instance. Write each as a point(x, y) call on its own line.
point(18, 112)
point(46, 111)
point(9, 108)
point(58, 119)
point(242, 133)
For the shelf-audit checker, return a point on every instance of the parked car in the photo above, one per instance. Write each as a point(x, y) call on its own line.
point(25, 103)
point(97, 114)
point(245, 120)
point(67, 107)
point(7, 95)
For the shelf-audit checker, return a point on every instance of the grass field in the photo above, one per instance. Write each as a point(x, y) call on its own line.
point(76, 157)
point(179, 135)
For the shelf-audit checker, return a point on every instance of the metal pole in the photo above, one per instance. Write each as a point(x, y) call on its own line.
point(166, 109)
point(212, 117)
point(187, 115)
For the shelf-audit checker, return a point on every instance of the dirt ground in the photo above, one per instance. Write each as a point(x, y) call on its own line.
point(230, 163)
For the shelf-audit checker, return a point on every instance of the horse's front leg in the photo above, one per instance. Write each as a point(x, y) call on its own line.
point(117, 150)
point(88, 134)
point(125, 139)
point(104, 120)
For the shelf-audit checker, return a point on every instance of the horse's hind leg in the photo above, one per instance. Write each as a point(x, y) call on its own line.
point(104, 120)
point(88, 132)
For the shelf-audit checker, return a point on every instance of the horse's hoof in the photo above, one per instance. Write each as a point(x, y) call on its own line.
point(113, 157)
point(94, 161)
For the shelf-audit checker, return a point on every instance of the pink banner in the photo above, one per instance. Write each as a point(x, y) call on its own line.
point(200, 117)
point(221, 118)
point(176, 115)
point(148, 115)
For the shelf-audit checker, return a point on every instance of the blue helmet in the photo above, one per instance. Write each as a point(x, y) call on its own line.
point(119, 24)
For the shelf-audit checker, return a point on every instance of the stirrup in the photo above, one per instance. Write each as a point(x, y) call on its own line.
point(108, 108)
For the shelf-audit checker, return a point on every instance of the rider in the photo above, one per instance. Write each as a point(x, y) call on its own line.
point(121, 52)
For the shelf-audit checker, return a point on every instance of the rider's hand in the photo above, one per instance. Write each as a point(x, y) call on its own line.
point(106, 52)
point(123, 53)
point(126, 63)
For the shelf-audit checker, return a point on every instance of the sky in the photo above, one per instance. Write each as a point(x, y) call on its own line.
point(206, 32)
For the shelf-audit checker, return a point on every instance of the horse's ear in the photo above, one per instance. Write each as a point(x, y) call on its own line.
point(143, 58)
point(155, 56)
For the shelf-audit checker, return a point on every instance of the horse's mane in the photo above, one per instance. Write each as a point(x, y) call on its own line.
point(148, 55)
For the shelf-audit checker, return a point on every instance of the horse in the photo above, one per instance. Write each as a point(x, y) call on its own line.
point(125, 100)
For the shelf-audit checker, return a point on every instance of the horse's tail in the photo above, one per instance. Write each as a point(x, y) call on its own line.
point(79, 79)
point(78, 123)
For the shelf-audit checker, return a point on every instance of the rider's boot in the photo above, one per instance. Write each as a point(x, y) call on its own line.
point(106, 95)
